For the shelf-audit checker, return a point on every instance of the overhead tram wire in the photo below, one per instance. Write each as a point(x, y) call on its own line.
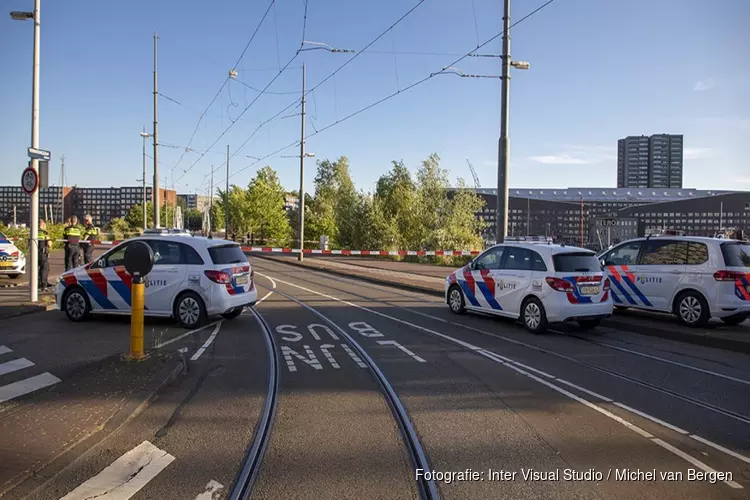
point(302, 42)
point(394, 94)
point(357, 54)
point(224, 84)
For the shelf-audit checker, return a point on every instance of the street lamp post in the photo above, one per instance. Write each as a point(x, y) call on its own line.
point(503, 150)
point(145, 136)
point(34, 208)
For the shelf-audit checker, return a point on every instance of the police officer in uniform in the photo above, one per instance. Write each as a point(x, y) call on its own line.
point(44, 247)
point(72, 235)
point(90, 233)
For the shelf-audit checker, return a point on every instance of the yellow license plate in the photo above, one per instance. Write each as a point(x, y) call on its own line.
point(7, 264)
point(589, 290)
point(241, 280)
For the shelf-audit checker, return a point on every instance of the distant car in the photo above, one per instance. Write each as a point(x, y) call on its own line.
point(165, 232)
point(537, 282)
point(12, 260)
point(694, 278)
point(192, 278)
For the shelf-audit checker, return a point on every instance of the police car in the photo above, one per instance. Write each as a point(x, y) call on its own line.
point(695, 278)
point(192, 278)
point(535, 281)
point(12, 260)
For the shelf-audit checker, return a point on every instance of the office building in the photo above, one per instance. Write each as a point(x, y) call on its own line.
point(581, 216)
point(103, 204)
point(195, 201)
point(650, 162)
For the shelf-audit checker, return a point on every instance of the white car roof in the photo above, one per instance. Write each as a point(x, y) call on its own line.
point(545, 248)
point(193, 241)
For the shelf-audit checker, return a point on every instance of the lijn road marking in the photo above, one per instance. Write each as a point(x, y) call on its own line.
point(211, 488)
point(25, 386)
point(208, 343)
point(124, 477)
point(14, 364)
point(513, 365)
point(5, 350)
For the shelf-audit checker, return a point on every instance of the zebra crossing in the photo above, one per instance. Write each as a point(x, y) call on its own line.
point(15, 379)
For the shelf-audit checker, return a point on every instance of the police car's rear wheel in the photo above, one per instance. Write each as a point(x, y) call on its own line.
point(589, 324)
point(189, 310)
point(76, 305)
point(692, 309)
point(456, 300)
point(534, 316)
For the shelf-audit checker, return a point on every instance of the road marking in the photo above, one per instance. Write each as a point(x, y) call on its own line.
point(669, 361)
point(356, 358)
point(206, 344)
point(211, 488)
point(14, 364)
point(311, 359)
point(652, 418)
point(326, 348)
point(124, 477)
point(180, 337)
point(407, 351)
point(721, 448)
point(364, 329)
point(311, 328)
point(5, 350)
point(511, 364)
point(693, 461)
point(25, 386)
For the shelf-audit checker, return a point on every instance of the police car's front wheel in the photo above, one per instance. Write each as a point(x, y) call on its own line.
point(456, 300)
point(76, 305)
point(189, 310)
point(534, 316)
point(692, 309)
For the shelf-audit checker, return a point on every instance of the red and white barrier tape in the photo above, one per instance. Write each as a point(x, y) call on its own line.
point(452, 253)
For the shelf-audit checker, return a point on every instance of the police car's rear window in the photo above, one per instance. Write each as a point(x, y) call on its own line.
point(227, 254)
point(736, 254)
point(576, 262)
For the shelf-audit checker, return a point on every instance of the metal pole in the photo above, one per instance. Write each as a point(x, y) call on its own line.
point(721, 216)
point(143, 181)
point(528, 216)
point(226, 201)
point(62, 189)
point(156, 140)
point(503, 150)
point(581, 222)
point(34, 209)
point(301, 202)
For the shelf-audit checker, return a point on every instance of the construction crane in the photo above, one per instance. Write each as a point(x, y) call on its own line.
point(474, 175)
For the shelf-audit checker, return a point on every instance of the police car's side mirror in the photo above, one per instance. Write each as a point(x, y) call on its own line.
point(100, 263)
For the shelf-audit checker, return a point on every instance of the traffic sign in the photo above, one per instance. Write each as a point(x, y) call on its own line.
point(38, 154)
point(609, 222)
point(29, 180)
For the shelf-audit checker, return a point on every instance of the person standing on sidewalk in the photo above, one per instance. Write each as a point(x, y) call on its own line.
point(72, 235)
point(90, 233)
point(44, 247)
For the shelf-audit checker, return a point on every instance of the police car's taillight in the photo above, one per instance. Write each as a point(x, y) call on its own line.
point(218, 276)
point(14, 254)
point(560, 285)
point(607, 285)
point(728, 275)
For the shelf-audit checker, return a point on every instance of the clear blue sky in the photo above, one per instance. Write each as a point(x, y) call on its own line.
point(600, 70)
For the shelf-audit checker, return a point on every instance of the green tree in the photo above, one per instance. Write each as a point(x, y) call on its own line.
point(376, 229)
point(432, 201)
point(216, 214)
point(265, 201)
point(239, 210)
point(118, 226)
point(461, 227)
point(134, 216)
point(397, 193)
point(193, 219)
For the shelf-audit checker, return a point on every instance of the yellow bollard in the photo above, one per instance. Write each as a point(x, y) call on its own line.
point(136, 318)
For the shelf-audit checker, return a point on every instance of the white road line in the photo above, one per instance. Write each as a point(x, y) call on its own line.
point(721, 448)
point(180, 337)
point(211, 488)
point(124, 477)
point(652, 418)
point(512, 364)
point(25, 386)
point(669, 361)
point(693, 461)
point(5, 350)
point(407, 351)
point(14, 364)
point(206, 344)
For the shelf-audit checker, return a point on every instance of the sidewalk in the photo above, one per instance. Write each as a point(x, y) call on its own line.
point(430, 279)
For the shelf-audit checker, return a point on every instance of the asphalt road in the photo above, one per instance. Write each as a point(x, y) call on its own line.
point(480, 392)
